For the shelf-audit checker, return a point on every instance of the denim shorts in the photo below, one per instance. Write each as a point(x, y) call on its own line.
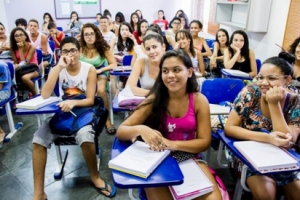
point(44, 136)
point(4, 95)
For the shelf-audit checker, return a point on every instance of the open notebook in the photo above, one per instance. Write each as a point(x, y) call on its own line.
point(36, 103)
point(236, 72)
point(266, 157)
point(138, 160)
point(195, 182)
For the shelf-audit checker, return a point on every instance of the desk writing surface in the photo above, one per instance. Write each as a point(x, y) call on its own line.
point(51, 108)
point(166, 174)
point(218, 109)
point(119, 73)
point(226, 74)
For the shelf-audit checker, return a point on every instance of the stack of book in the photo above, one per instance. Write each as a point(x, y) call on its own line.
point(235, 72)
point(36, 103)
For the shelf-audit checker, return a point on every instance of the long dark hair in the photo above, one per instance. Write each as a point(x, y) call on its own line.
point(294, 45)
point(51, 19)
point(74, 12)
point(131, 22)
point(129, 43)
point(163, 14)
point(227, 36)
point(187, 35)
point(284, 62)
point(121, 16)
point(141, 13)
point(139, 32)
point(2, 25)
point(160, 102)
point(100, 44)
point(245, 49)
point(12, 40)
point(186, 26)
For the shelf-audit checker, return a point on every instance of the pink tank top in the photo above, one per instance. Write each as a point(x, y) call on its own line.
point(183, 128)
point(33, 59)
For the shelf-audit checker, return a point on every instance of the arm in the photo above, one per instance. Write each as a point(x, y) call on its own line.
point(200, 63)
point(253, 66)
point(228, 63)
point(203, 136)
point(111, 62)
point(113, 43)
point(30, 53)
point(206, 47)
point(44, 45)
point(14, 57)
point(134, 57)
point(172, 42)
point(134, 77)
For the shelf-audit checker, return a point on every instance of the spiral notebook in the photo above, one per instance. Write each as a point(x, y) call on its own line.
point(265, 157)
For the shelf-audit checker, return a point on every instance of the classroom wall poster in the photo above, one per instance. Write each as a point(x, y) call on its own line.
point(85, 1)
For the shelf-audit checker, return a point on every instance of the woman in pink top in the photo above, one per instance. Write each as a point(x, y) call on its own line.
point(174, 116)
point(161, 21)
point(23, 52)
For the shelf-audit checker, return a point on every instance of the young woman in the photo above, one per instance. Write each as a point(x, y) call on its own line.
point(111, 26)
point(295, 50)
point(56, 35)
point(146, 69)
point(74, 21)
point(184, 21)
point(95, 51)
point(238, 55)
point(199, 42)
point(216, 60)
point(267, 105)
point(119, 18)
point(134, 21)
point(5, 90)
point(23, 52)
point(161, 21)
point(179, 12)
point(141, 31)
point(175, 116)
point(139, 12)
point(176, 25)
point(4, 40)
point(47, 19)
point(185, 41)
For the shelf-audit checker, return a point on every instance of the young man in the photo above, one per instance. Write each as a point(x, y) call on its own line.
point(98, 17)
point(40, 41)
point(108, 35)
point(22, 23)
point(74, 77)
point(56, 35)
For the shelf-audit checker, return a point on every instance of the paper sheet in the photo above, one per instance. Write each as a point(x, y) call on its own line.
point(77, 8)
point(65, 8)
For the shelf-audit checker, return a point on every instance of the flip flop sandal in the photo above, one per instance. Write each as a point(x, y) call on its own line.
point(111, 130)
point(105, 189)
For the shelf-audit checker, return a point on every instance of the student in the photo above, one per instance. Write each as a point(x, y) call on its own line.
point(123, 44)
point(139, 12)
point(81, 76)
point(173, 107)
point(141, 31)
point(40, 41)
point(74, 22)
point(22, 51)
point(146, 69)
point(95, 51)
point(4, 40)
point(98, 18)
point(22, 23)
point(199, 42)
point(238, 55)
point(216, 60)
point(176, 24)
point(47, 18)
point(161, 21)
point(108, 35)
point(267, 105)
point(295, 50)
point(119, 18)
point(111, 26)
point(185, 41)
point(56, 35)
point(179, 12)
point(184, 21)
point(134, 21)
point(5, 90)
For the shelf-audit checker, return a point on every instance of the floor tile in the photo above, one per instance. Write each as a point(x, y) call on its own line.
point(11, 189)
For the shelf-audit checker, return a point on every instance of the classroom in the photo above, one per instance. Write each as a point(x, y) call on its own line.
point(173, 99)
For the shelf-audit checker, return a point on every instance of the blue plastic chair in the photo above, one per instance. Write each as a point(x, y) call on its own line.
point(59, 28)
point(51, 44)
point(258, 65)
point(38, 80)
point(13, 128)
point(127, 60)
point(210, 43)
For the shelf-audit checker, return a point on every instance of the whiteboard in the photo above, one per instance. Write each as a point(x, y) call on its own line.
point(84, 8)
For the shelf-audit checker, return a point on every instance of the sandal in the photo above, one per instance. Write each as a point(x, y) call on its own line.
point(111, 130)
point(1, 138)
point(105, 189)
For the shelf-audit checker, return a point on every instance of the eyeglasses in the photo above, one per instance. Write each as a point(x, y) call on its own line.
point(269, 78)
point(65, 52)
point(176, 23)
point(20, 35)
point(89, 34)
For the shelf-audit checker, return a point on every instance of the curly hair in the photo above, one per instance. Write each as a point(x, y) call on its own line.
point(245, 49)
point(294, 45)
point(186, 34)
point(100, 44)
point(12, 39)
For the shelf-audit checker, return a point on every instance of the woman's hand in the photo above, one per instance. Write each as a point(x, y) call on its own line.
point(16, 66)
point(169, 144)
point(275, 95)
point(213, 62)
point(66, 106)
point(153, 138)
point(20, 44)
point(280, 139)
point(237, 50)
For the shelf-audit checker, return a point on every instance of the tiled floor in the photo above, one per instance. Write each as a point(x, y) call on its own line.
point(16, 179)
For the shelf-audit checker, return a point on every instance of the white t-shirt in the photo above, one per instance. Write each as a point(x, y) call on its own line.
point(109, 36)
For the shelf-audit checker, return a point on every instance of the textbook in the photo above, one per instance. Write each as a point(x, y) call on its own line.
point(122, 68)
point(195, 182)
point(266, 157)
point(36, 103)
point(138, 160)
point(234, 72)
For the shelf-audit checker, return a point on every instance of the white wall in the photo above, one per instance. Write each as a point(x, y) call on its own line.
point(3, 18)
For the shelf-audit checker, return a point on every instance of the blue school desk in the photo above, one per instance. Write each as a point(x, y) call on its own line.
point(227, 75)
point(166, 174)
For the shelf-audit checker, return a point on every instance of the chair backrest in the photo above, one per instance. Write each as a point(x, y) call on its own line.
point(221, 89)
point(39, 55)
point(59, 28)
point(127, 60)
point(258, 65)
point(210, 43)
point(52, 45)
point(11, 70)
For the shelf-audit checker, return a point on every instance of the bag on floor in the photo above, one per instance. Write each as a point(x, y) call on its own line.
point(221, 186)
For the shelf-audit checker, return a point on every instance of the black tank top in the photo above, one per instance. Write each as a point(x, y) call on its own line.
point(243, 66)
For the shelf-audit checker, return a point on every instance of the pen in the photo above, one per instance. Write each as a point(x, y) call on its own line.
point(73, 113)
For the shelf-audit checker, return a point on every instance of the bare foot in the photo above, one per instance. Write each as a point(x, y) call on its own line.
point(39, 196)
